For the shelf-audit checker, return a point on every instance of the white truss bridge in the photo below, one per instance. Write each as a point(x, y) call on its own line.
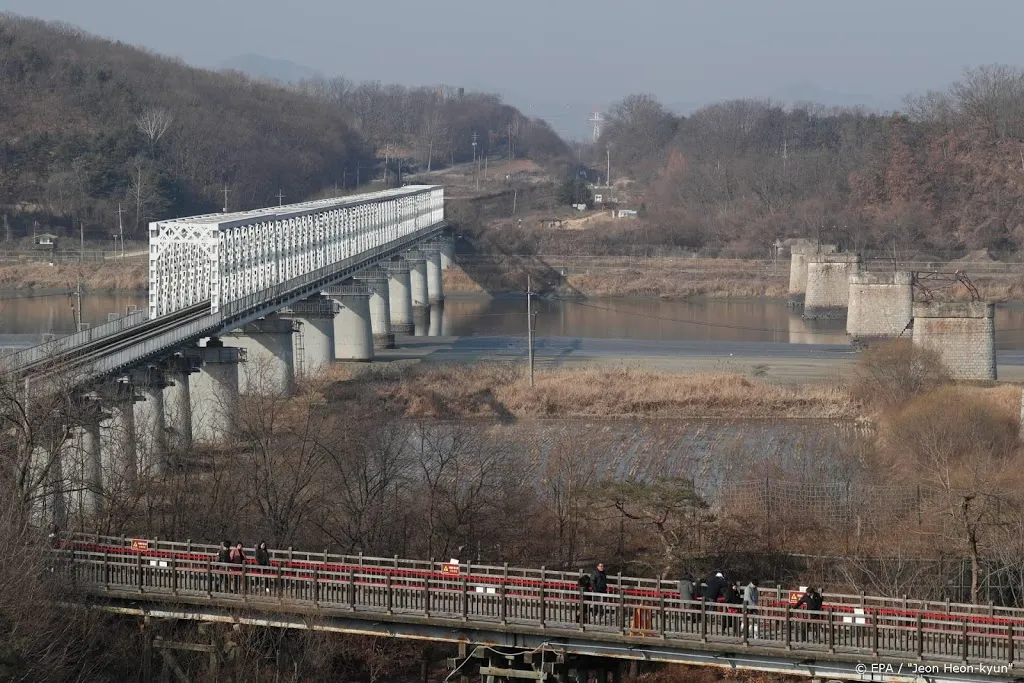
point(214, 273)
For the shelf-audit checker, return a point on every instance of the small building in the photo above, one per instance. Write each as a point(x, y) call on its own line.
point(46, 239)
point(626, 213)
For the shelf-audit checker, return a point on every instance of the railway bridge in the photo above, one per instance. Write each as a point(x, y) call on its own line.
point(536, 624)
point(239, 303)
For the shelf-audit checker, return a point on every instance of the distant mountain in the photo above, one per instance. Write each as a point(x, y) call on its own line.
point(261, 67)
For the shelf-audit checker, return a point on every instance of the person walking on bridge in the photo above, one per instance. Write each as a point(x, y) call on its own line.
point(600, 579)
point(223, 557)
point(812, 601)
point(238, 557)
point(263, 560)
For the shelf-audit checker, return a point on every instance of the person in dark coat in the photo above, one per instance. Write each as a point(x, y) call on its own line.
point(600, 579)
point(714, 588)
point(812, 601)
point(262, 554)
point(585, 587)
point(263, 559)
point(223, 557)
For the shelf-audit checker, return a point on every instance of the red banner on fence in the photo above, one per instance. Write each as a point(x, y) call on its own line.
point(140, 544)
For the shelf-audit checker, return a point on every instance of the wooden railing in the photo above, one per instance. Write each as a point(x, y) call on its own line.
point(515, 598)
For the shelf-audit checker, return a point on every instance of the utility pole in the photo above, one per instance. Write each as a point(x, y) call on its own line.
point(77, 310)
point(120, 229)
point(280, 196)
point(529, 325)
point(344, 178)
point(515, 199)
point(357, 173)
point(474, 147)
point(608, 172)
point(510, 143)
point(225, 198)
point(81, 240)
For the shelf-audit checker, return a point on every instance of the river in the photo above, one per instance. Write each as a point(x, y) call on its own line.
point(709, 320)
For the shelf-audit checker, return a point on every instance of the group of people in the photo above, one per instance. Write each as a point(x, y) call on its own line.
point(718, 589)
point(236, 555)
point(228, 554)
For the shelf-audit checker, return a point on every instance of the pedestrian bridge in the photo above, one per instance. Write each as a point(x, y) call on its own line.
point(542, 614)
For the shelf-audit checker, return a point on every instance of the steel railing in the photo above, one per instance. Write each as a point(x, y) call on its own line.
point(483, 596)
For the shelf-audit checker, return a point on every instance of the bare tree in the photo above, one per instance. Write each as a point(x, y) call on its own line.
point(154, 124)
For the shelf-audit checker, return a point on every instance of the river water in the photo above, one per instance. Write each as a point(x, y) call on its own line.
point(712, 320)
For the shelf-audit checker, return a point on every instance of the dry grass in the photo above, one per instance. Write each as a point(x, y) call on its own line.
point(619, 276)
point(501, 391)
point(113, 276)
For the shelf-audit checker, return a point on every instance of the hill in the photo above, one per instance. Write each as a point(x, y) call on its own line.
point(267, 68)
point(88, 124)
point(941, 176)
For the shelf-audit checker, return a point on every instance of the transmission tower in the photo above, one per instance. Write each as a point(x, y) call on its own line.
point(596, 119)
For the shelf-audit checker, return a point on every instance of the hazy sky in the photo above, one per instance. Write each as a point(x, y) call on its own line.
point(560, 58)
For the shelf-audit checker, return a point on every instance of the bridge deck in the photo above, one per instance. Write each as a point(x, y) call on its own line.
point(426, 600)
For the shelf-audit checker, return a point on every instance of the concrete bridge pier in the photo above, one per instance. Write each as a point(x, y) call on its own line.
point(399, 296)
point(177, 404)
point(435, 286)
point(881, 305)
point(376, 281)
point(269, 366)
point(85, 474)
point(353, 330)
point(799, 256)
point(828, 285)
point(150, 425)
point(418, 281)
point(46, 476)
point(435, 319)
point(446, 243)
point(961, 333)
point(214, 391)
point(119, 457)
point(314, 340)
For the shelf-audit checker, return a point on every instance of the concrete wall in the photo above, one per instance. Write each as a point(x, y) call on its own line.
point(881, 305)
point(799, 257)
point(963, 334)
point(828, 285)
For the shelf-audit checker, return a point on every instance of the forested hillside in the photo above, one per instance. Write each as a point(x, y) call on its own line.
point(87, 124)
point(946, 173)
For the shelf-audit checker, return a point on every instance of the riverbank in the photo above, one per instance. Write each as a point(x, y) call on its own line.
point(587, 277)
point(502, 391)
point(108, 276)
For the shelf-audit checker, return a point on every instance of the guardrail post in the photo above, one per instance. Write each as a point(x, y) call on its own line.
point(290, 553)
point(661, 612)
point(582, 610)
point(245, 583)
point(174, 575)
point(140, 572)
point(920, 636)
point(874, 631)
point(465, 599)
point(1009, 643)
point(188, 545)
point(316, 586)
point(703, 621)
point(831, 631)
point(965, 649)
point(388, 593)
point(396, 561)
point(788, 630)
point(352, 589)
point(279, 585)
point(746, 624)
point(543, 606)
point(325, 555)
point(209, 578)
point(622, 605)
point(106, 571)
point(503, 603)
